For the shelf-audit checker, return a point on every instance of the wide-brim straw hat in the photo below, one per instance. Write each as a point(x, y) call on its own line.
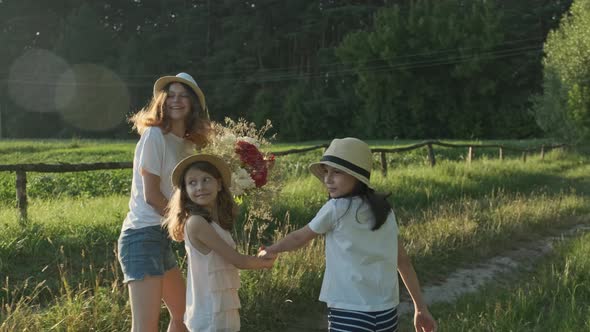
point(216, 161)
point(350, 155)
point(186, 79)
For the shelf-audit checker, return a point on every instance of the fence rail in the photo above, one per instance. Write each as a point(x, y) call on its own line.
point(22, 169)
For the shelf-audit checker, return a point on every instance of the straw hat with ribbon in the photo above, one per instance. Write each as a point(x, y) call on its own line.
point(350, 155)
point(186, 79)
point(217, 162)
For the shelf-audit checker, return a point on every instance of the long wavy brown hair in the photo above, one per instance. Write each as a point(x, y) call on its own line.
point(198, 126)
point(180, 206)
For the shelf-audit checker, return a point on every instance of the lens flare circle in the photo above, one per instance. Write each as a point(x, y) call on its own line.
point(32, 79)
point(92, 97)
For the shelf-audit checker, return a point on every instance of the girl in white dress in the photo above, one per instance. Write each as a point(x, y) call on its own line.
point(202, 213)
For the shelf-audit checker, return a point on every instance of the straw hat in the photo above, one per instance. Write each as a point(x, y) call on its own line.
point(186, 79)
point(350, 155)
point(217, 162)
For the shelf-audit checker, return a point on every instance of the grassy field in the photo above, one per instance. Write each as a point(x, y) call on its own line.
point(60, 271)
point(105, 183)
point(553, 297)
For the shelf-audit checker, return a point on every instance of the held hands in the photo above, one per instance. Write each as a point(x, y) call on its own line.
point(264, 253)
point(424, 322)
point(267, 257)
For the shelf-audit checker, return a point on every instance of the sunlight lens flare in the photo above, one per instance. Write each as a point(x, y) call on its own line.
point(92, 97)
point(32, 77)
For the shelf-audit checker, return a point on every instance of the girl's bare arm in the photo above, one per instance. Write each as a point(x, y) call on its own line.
point(199, 229)
point(293, 241)
point(423, 320)
point(151, 192)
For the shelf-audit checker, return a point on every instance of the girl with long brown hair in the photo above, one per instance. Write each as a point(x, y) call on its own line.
point(172, 126)
point(202, 214)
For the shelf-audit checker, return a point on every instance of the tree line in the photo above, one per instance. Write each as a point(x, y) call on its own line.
point(316, 69)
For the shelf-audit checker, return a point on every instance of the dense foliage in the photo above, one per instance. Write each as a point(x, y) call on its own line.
point(317, 69)
point(564, 107)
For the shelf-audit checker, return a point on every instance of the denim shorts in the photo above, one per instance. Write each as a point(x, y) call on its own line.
point(145, 251)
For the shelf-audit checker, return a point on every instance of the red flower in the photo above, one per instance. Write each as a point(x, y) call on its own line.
point(248, 153)
point(254, 162)
point(259, 176)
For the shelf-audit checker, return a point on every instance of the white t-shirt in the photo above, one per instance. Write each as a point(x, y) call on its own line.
point(361, 265)
point(157, 154)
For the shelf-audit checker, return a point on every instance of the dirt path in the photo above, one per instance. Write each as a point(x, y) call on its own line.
point(467, 280)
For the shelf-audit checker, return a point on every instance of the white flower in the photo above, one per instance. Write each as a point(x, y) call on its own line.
point(241, 181)
point(228, 139)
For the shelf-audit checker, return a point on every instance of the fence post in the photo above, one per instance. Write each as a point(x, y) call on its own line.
point(431, 157)
point(470, 154)
point(501, 154)
point(543, 152)
point(524, 156)
point(21, 195)
point(383, 164)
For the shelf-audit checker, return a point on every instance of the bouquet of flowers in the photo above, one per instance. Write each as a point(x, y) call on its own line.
point(239, 144)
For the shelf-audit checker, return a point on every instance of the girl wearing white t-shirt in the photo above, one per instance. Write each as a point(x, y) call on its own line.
point(174, 123)
point(360, 283)
point(202, 214)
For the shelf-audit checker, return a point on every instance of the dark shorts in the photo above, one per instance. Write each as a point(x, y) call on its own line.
point(145, 251)
point(341, 320)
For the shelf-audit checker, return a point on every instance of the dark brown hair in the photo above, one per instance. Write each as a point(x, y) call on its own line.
point(378, 202)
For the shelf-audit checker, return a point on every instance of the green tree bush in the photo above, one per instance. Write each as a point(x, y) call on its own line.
point(427, 69)
point(563, 110)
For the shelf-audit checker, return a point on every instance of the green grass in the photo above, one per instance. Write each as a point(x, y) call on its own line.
point(554, 297)
point(414, 188)
point(104, 183)
point(61, 271)
point(71, 253)
point(84, 150)
point(65, 151)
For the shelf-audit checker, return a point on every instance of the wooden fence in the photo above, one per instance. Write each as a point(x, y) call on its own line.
point(22, 169)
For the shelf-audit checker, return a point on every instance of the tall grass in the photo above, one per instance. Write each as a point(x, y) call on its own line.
point(554, 297)
point(61, 271)
point(97, 306)
point(71, 255)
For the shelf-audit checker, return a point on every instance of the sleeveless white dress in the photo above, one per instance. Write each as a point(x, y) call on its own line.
point(212, 302)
